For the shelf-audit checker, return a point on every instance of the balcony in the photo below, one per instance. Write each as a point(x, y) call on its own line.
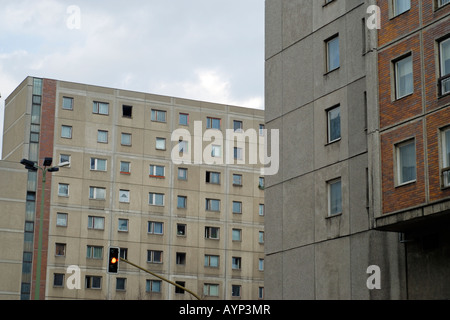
point(444, 85)
point(445, 174)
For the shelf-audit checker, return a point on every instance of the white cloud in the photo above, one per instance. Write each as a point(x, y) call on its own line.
point(197, 49)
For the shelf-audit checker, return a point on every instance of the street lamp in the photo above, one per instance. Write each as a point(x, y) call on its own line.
point(32, 166)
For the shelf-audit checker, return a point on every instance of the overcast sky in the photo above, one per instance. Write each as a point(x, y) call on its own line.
point(210, 50)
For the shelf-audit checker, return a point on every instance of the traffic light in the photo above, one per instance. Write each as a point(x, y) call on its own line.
point(113, 260)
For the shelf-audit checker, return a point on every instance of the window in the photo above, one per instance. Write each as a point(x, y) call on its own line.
point(64, 158)
point(182, 146)
point(332, 53)
point(237, 179)
point(213, 177)
point(401, 6)
point(125, 167)
point(121, 284)
point(122, 225)
point(211, 290)
point(58, 280)
point(124, 196)
point(443, 2)
point(261, 265)
point(182, 173)
point(66, 132)
point(127, 111)
point(98, 164)
point(237, 126)
point(261, 209)
point(180, 258)
point(261, 183)
point(261, 293)
point(236, 263)
point(216, 151)
point(178, 289)
point(212, 205)
point(60, 249)
point(93, 282)
point(156, 199)
point(181, 229)
point(213, 123)
point(61, 219)
point(102, 136)
point(67, 103)
point(446, 157)
point(237, 153)
point(212, 233)
point(444, 51)
point(154, 256)
point(406, 162)
point(183, 119)
point(235, 290)
point(261, 237)
point(181, 202)
point(158, 115)
point(97, 223)
point(236, 235)
point(157, 171)
point(94, 252)
point(404, 77)
point(237, 207)
point(334, 197)
point(97, 193)
point(123, 253)
point(334, 124)
point(211, 261)
point(155, 227)
point(160, 143)
point(261, 129)
point(63, 190)
point(153, 286)
point(125, 139)
point(100, 108)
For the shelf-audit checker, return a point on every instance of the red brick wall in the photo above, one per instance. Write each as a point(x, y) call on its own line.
point(393, 111)
point(398, 26)
point(431, 39)
point(399, 197)
point(45, 150)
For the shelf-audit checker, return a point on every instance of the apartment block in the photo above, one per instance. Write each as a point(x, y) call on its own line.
point(197, 223)
point(359, 92)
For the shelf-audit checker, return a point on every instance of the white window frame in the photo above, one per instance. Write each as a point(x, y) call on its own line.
point(153, 170)
point(209, 206)
point(96, 223)
point(122, 225)
point(69, 130)
point(329, 124)
point(59, 189)
point(100, 134)
point(155, 115)
point(212, 233)
point(153, 286)
point(398, 155)
point(398, 94)
point(445, 81)
point(152, 196)
point(95, 164)
point(212, 261)
point(95, 193)
point(125, 135)
point(151, 227)
point(395, 9)
point(151, 256)
point(99, 107)
point(62, 219)
point(330, 54)
point(158, 143)
point(211, 289)
point(124, 196)
point(330, 184)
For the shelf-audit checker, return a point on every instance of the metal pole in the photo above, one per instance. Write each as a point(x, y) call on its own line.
point(160, 277)
point(41, 225)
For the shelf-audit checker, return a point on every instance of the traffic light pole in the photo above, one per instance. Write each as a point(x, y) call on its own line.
point(162, 278)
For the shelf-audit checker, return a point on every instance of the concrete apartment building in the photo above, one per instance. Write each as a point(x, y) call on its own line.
point(200, 225)
point(360, 207)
